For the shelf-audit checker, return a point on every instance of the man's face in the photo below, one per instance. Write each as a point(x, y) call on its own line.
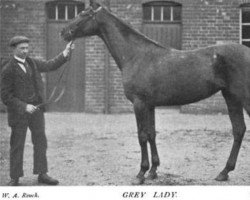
point(21, 50)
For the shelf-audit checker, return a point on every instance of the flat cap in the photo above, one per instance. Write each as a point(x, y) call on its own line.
point(18, 40)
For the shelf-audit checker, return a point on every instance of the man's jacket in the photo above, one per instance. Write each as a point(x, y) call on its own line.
point(14, 92)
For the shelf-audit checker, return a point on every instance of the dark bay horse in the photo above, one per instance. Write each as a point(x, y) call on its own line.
point(153, 76)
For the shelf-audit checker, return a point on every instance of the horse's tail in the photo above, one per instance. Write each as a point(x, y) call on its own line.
point(247, 80)
point(247, 92)
point(246, 103)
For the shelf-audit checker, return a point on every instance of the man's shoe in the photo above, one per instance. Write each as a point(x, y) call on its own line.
point(44, 178)
point(13, 182)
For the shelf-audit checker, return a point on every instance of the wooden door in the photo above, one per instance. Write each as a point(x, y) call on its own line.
point(74, 76)
point(162, 22)
point(165, 34)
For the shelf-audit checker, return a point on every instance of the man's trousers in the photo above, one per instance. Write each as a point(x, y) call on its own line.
point(36, 123)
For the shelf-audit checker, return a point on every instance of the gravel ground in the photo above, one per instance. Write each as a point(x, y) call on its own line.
point(90, 149)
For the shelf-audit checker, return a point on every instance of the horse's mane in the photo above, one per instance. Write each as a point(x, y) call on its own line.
point(128, 27)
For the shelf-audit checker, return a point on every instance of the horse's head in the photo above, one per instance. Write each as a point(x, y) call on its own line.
point(83, 25)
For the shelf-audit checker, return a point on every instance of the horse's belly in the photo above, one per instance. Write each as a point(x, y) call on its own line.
point(184, 93)
point(180, 100)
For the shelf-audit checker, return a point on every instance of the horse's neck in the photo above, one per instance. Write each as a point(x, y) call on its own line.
point(123, 42)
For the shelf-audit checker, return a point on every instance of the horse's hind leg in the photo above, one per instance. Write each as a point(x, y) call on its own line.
point(235, 111)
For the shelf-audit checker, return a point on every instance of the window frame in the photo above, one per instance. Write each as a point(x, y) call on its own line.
point(162, 4)
point(243, 7)
point(55, 4)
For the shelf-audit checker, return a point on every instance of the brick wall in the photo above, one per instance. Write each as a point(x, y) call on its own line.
point(205, 22)
point(208, 23)
point(94, 89)
point(24, 18)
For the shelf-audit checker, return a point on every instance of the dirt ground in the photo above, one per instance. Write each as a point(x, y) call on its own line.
point(90, 149)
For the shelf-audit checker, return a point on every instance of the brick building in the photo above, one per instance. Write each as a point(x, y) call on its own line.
point(93, 83)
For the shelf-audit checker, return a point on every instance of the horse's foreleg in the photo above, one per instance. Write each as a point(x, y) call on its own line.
point(154, 153)
point(142, 113)
point(235, 111)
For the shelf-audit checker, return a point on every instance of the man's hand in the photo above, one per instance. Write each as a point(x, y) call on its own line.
point(67, 51)
point(30, 108)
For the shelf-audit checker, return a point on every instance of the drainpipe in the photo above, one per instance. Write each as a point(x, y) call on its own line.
point(107, 82)
point(107, 74)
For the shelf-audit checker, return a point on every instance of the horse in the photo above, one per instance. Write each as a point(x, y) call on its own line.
point(153, 75)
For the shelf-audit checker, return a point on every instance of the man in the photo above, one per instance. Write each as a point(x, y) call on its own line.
point(21, 91)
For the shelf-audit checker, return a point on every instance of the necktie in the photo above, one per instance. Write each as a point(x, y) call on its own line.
point(25, 64)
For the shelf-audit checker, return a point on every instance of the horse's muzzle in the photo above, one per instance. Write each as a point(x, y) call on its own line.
point(66, 34)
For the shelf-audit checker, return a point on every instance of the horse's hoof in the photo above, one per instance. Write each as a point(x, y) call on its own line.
point(222, 177)
point(152, 176)
point(138, 181)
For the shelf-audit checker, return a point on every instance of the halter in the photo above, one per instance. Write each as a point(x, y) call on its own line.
point(94, 12)
point(92, 15)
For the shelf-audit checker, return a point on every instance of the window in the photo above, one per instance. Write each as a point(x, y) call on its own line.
point(63, 10)
point(162, 11)
point(245, 24)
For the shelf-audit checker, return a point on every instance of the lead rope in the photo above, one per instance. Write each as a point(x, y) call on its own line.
point(49, 101)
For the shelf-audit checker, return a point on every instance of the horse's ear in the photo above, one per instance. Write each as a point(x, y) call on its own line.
point(92, 2)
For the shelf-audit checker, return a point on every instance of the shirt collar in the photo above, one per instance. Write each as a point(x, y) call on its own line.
point(19, 59)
